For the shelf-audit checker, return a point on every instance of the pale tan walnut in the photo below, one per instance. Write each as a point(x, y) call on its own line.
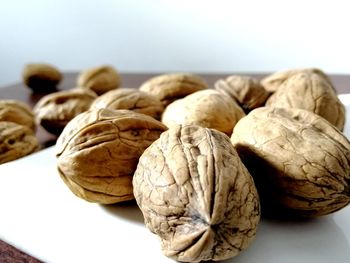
point(41, 77)
point(170, 87)
point(206, 108)
point(310, 91)
point(196, 195)
point(272, 82)
point(247, 91)
point(55, 110)
point(16, 141)
point(98, 151)
point(18, 112)
point(130, 99)
point(99, 79)
point(299, 161)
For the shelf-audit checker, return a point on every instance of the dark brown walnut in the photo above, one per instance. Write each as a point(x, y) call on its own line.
point(310, 91)
point(98, 151)
point(41, 77)
point(99, 79)
point(299, 160)
point(272, 82)
point(247, 91)
point(206, 108)
point(18, 112)
point(130, 99)
point(170, 87)
point(196, 195)
point(16, 141)
point(55, 110)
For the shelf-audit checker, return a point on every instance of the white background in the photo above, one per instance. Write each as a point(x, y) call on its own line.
point(182, 35)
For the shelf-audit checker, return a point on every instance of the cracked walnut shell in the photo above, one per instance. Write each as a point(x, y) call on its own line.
point(130, 99)
point(98, 151)
point(196, 195)
point(299, 160)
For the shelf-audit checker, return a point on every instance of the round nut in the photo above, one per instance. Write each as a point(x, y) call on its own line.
point(206, 108)
point(170, 87)
point(248, 92)
point(130, 99)
point(55, 110)
point(41, 77)
point(195, 193)
point(17, 112)
point(99, 79)
point(310, 91)
point(98, 151)
point(16, 141)
point(299, 160)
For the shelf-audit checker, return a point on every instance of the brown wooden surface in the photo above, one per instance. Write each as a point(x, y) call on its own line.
point(131, 80)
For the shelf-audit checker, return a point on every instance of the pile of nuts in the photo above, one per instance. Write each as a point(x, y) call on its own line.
point(202, 164)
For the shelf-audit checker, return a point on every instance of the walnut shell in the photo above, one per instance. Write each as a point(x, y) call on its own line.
point(310, 92)
point(247, 91)
point(98, 151)
point(18, 112)
point(298, 160)
point(55, 110)
point(16, 141)
point(195, 193)
point(206, 108)
point(272, 82)
point(99, 79)
point(130, 99)
point(170, 87)
point(41, 77)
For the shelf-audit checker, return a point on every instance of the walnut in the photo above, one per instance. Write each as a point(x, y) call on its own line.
point(55, 110)
point(195, 193)
point(206, 108)
point(41, 77)
point(130, 99)
point(299, 160)
point(247, 91)
point(170, 87)
point(310, 92)
point(98, 151)
point(18, 112)
point(272, 82)
point(16, 141)
point(99, 79)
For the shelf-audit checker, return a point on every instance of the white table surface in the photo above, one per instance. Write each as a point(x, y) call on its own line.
point(39, 215)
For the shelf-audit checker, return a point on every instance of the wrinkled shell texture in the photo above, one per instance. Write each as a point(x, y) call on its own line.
point(170, 87)
point(272, 82)
point(99, 79)
point(196, 194)
point(41, 77)
point(98, 151)
point(248, 92)
point(16, 141)
point(17, 112)
point(297, 159)
point(206, 108)
point(130, 99)
point(55, 110)
point(310, 92)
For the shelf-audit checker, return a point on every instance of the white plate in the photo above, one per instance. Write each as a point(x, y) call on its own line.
point(39, 215)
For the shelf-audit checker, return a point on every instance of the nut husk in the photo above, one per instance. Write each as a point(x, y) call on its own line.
point(196, 195)
point(98, 151)
point(299, 161)
point(99, 79)
point(170, 87)
point(16, 141)
point(206, 108)
point(130, 99)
